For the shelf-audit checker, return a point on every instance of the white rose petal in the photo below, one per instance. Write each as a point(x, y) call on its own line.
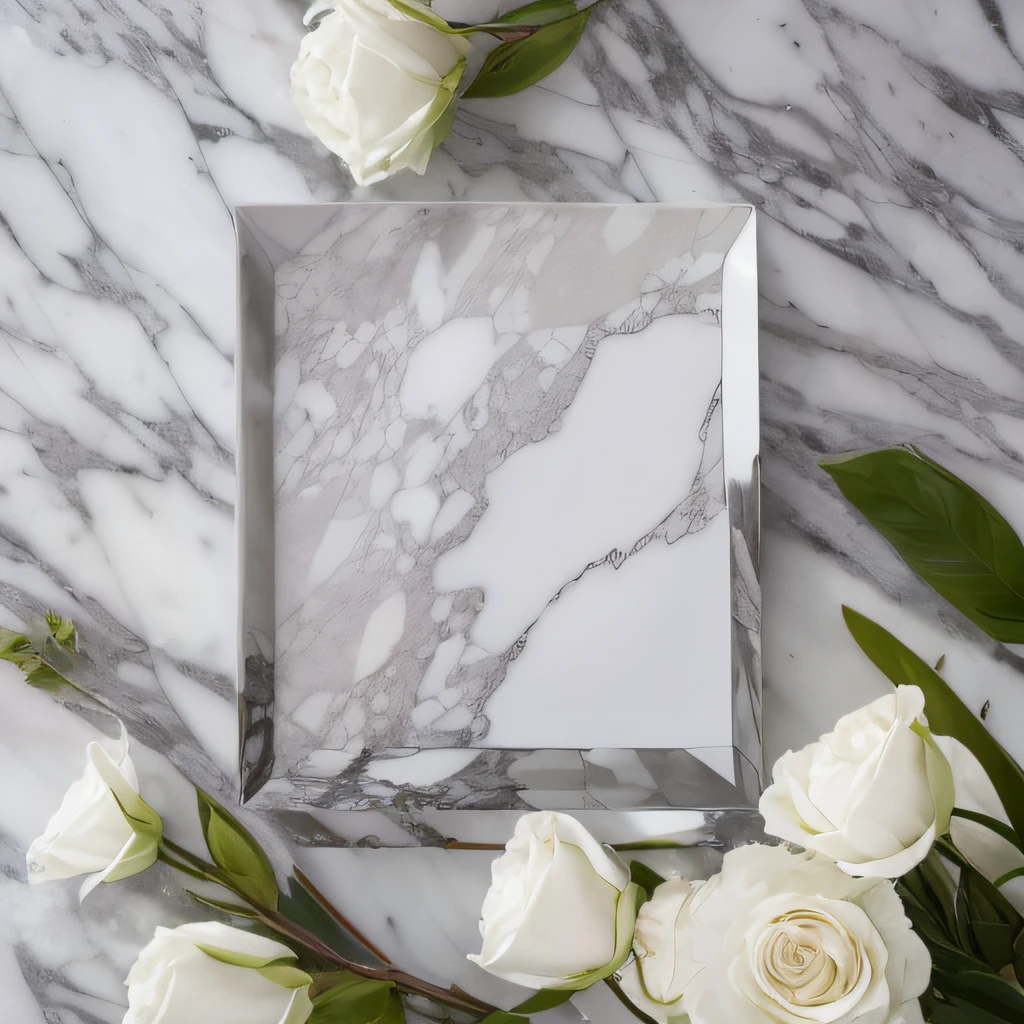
point(873, 794)
point(783, 937)
point(655, 978)
point(377, 87)
point(560, 909)
point(175, 982)
point(89, 833)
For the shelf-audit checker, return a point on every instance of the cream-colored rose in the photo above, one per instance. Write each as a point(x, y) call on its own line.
point(377, 87)
point(175, 982)
point(873, 794)
point(789, 938)
point(90, 834)
point(653, 979)
point(560, 910)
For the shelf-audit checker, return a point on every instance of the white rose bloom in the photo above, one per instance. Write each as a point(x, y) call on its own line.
point(377, 87)
point(89, 834)
point(560, 910)
point(789, 938)
point(175, 982)
point(653, 979)
point(873, 794)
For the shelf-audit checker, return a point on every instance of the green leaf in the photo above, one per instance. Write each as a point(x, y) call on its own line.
point(237, 853)
point(993, 923)
point(987, 992)
point(512, 66)
point(944, 530)
point(281, 970)
point(234, 909)
point(947, 714)
point(355, 1000)
point(302, 908)
point(1000, 828)
point(503, 1017)
point(63, 631)
point(647, 878)
point(545, 999)
point(46, 658)
point(537, 15)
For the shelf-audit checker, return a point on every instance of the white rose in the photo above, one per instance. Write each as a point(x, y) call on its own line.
point(873, 794)
point(653, 979)
point(560, 910)
point(175, 982)
point(377, 87)
point(90, 834)
point(789, 938)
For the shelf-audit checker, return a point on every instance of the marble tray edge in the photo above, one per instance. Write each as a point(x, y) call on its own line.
point(266, 236)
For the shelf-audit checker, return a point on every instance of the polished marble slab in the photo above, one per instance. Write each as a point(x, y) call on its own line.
point(882, 142)
point(497, 471)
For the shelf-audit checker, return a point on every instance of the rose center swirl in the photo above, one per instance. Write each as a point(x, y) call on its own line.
point(807, 958)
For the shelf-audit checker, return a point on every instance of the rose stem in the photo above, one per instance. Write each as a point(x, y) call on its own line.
point(329, 908)
point(196, 867)
point(650, 844)
point(627, 1002)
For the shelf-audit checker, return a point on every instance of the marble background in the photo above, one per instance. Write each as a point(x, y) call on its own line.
point(883, 143)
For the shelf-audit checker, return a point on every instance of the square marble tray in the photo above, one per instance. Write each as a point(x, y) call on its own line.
point(498, 506)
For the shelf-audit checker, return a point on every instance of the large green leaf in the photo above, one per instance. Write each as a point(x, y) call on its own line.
point(237, 853)
point(944, 530)
point(513, 66)
point(352, 999)
point(947, 714)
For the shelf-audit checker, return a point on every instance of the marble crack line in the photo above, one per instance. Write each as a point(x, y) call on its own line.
point(617, 558)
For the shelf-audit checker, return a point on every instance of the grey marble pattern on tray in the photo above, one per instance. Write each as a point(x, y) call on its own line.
point(499, 495)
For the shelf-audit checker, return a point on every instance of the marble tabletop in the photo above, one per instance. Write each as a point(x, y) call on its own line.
point(882, 142)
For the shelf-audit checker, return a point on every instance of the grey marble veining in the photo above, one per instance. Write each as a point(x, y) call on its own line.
point(501, 437)
point(882, 142)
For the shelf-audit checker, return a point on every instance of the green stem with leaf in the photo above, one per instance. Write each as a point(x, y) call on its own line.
point(195, 867)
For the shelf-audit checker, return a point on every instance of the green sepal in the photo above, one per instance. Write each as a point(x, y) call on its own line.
point(281, 970)
point(236, 852)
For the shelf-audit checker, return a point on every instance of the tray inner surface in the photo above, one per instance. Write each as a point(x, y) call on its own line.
point(496, 513)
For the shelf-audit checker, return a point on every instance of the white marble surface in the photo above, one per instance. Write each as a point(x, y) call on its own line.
point(883, 141)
